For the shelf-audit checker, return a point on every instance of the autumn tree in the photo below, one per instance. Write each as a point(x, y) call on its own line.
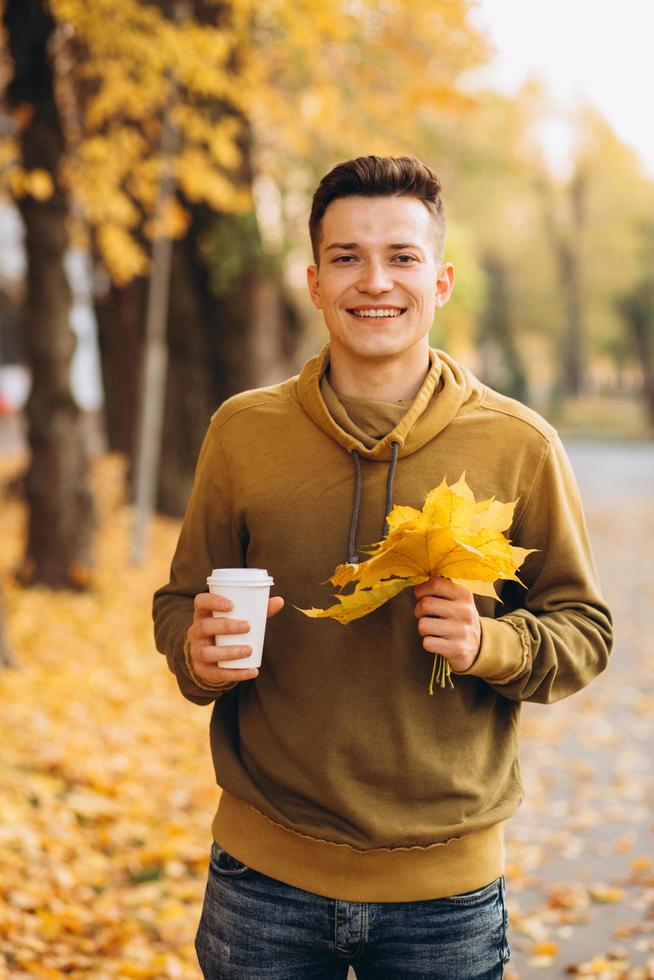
point(279, 90)
point(496, 334)
point(594, 217)
point(565, 226)
point(567, 235)
point(506, 265)
point(636, 307)
point(617, 256)
point(280, 98)
point(60, 520)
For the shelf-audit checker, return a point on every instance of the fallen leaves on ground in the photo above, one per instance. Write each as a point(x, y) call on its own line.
point(580, 849)
point(107, 791)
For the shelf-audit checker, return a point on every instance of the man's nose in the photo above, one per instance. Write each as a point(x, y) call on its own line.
point(374, 278)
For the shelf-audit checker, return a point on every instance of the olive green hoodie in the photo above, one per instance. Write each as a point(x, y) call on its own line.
point(340, 773)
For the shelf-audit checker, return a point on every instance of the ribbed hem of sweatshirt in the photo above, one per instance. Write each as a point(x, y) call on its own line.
point(339, 871)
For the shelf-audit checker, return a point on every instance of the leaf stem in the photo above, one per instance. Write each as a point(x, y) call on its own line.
point(433, 671)
point(442, 674)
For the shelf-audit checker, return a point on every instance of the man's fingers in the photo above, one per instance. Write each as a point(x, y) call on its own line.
point(222, 626)
point(434, 626)
point(220, 675)
point(432, 606)
point(213, 654)
point(206, 602)
point(275, 605)
point(238, 673)
point(436, 644)
point(442, 587)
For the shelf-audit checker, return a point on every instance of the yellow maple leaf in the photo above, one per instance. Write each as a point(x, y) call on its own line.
point(362, 601)
point(452, 537)
point(605, 894)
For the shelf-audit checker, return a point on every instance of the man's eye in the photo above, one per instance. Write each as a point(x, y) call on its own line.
point(345, 259)
point(406, 259)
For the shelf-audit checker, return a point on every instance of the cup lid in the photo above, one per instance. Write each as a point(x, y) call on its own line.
point(239, 576)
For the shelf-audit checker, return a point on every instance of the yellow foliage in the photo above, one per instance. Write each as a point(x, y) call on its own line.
point(8, 153)
point(14, 179)
point(35, 183)
point(200, 181)
point(39, 184)
point(121, 253)
point(218, 136)
point(172, 223)
point(451, 537)
point(98, 173)
point(309, 81)
point(105, 790)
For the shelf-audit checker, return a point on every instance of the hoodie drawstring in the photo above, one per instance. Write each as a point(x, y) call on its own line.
point(353, 558)
point(395, 448)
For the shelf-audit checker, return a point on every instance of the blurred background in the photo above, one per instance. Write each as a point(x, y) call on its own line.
point(157, 162)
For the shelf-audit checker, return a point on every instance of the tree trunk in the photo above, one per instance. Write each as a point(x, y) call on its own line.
point(223, 338)
point(644, 340)
point(566, 243)
point(120, 315)
point(570, 265)
point(503, 367)
point(218, 345)
point(61, 516)
point(638, 310)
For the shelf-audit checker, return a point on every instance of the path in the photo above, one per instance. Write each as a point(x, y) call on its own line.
point(581, 848)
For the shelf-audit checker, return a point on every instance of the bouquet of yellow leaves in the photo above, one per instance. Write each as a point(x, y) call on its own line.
point(451, 537)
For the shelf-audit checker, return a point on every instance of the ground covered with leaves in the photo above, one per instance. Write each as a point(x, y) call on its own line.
point(106, 794)
point(107, 791)
point(581, 848)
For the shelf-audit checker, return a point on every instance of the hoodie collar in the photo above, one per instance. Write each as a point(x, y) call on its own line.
point(364, 418)
point(447, 388)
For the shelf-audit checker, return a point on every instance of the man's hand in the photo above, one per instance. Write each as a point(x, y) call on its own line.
point(448, 621)
point(204, 652)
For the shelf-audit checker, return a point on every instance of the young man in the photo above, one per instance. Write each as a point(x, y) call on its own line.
point(361, 820)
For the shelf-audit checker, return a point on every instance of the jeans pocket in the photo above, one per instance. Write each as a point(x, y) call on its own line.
point(506, 949)
point(477, 897)
point(225, 865)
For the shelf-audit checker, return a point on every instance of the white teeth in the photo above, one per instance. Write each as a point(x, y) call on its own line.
point(376, 313)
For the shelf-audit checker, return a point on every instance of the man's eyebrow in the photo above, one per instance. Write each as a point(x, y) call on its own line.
point(351, 245)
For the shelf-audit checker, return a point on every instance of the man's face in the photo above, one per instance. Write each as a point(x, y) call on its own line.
point(380, 279)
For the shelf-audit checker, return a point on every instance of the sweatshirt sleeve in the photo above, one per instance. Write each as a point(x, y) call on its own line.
point(561, 637)
point(208, 539)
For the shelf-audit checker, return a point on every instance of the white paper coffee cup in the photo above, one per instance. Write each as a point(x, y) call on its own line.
point(248, 589)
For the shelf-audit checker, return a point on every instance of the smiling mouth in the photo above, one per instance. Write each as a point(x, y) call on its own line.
point(381, 313)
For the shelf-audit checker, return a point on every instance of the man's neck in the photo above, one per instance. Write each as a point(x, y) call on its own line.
point(384, 381)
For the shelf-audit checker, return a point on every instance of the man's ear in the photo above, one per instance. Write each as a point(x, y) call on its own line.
point(314, 286)
point(444, 284)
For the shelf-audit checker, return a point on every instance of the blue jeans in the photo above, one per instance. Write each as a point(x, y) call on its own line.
point(257, 928)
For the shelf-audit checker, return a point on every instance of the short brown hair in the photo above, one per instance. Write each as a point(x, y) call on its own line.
point(373, 176)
